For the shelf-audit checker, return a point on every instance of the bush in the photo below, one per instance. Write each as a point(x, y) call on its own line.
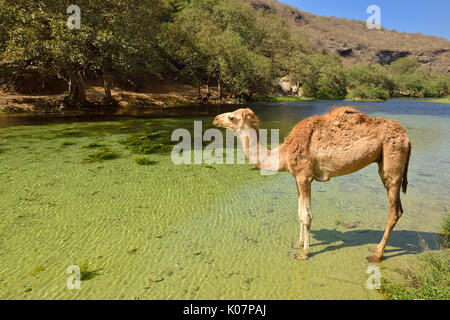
point(432, 282)
point(324, 78)
point(369, 74)
point(368, 92)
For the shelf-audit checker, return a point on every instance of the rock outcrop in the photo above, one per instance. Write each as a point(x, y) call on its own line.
point(385, 57)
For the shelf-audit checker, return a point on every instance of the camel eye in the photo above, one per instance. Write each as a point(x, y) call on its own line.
point(231, 118)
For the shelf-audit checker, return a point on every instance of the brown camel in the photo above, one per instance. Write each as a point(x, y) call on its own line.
point(319, 148)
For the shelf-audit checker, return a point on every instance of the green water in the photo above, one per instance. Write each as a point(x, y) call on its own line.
point(164, 231)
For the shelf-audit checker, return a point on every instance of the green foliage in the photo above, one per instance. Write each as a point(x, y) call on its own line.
point(230, 43)
point(370, 92)
point(114, 34)
point(369, 82)
point(446, 230)
point(244, 72)
point(67, 143)
point(102, 154)
point(412, 80)
point(324, 77)
point(144, 161)
point(220, 42)
point(85, 272)
point(149, 143)
point(93, 145)
point(404, 66)
point(37, 270)
point(403, 77)
point(432, 282)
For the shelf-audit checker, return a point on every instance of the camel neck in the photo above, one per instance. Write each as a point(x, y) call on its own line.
point(259, 155)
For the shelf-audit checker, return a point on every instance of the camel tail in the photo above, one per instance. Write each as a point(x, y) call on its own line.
point(405, 172)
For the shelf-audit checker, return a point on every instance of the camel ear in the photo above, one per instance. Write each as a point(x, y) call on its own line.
point(248, 114)
point(244, 114)
point(242, 120)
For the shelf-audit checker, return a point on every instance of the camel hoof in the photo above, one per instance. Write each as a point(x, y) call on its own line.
point(372, 249)
point(374, 259)
point(300, 256)
point(303, 255)
point(297, 245)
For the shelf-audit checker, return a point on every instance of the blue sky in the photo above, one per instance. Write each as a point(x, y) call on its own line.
point(428, 17)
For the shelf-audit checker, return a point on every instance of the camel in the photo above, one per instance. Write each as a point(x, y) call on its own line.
point(334, 144)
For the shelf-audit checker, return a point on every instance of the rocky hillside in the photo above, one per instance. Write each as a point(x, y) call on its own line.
point(353, 41)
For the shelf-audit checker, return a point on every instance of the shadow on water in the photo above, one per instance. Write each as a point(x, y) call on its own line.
point(403, 241)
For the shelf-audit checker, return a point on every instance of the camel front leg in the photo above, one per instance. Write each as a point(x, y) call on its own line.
point(301, 241)
point(305, 215)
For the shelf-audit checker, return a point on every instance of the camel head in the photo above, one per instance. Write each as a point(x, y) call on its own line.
point(240, 119)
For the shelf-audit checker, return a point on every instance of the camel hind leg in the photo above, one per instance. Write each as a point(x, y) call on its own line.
point(391, 170)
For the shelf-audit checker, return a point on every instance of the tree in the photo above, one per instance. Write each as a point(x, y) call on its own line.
point(187, 40)
point(125, 37)
point(114, 34)
point(413, 80)
point(323, 77)
point(404, 66)
point(369, 82)
point(243, 71)
point(229, 42)
point(294, 60)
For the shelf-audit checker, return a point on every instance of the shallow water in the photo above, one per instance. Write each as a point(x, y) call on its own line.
point(203, 232)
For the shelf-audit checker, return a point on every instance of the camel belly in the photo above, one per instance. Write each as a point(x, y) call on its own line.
point(335, 161)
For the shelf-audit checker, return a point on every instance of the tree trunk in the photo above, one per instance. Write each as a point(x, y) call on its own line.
point(107, 80)
point(219, 88)
point(249, 96)
point(198, 89)
point(77, 90)
point(208, 87)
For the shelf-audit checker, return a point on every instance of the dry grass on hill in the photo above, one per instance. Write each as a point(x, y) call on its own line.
point(355, 42)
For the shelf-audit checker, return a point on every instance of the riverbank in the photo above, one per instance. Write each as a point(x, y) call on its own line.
point(273, 98)
point(158, 98)
point(440, 100)
point(153, 97)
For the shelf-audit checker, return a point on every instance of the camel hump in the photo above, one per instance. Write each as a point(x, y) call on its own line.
point(348, 116)
point(342, 109)
point(340, 112)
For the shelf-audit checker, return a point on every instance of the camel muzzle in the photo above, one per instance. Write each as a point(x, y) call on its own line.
point(216, 121)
